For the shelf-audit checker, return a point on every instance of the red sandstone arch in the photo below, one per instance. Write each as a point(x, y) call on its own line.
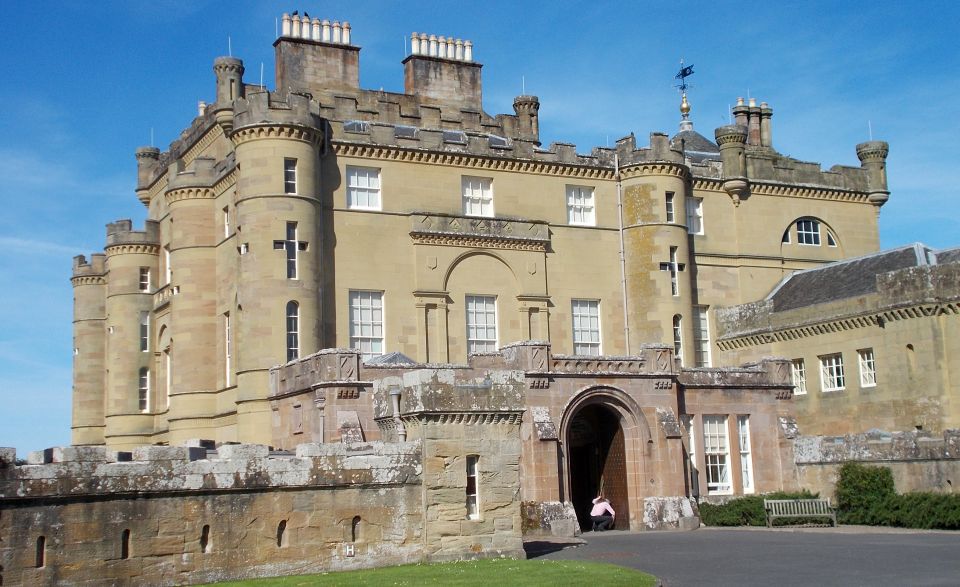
point(637, 439)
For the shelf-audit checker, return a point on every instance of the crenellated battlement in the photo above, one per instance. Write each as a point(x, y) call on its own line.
point(260, 109)
point(121, 232)
point(95, 267)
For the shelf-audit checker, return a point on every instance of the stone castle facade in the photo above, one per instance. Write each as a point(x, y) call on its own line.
point(390, 327)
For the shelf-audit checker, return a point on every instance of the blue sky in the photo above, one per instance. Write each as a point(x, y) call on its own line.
point(84, 84)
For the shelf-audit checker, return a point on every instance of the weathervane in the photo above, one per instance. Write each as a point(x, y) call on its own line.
point(683, 74)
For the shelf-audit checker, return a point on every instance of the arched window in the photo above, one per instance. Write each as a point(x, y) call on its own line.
point(355, 529)
point(678, 337)
point(282, 534)
point(205, 539)
point(293, 330)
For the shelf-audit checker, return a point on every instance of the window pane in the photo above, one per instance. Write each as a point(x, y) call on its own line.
point(586, 327)
point(481, 314)
point(366, 323)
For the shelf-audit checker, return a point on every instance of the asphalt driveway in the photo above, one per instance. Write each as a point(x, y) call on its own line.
point(849, 555)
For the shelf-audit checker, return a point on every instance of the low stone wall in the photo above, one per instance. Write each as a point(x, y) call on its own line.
point(919, 460)
point(179, 515)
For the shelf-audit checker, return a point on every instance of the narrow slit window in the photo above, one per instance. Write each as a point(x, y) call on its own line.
point(125, 544)
point(145, 279)
point(282, 534)
point(473, 504)
point(41, 554)
point(293, 330)
point(671, 216)
point(746, 462)
point(144, 332)
point(678, 337)
point(143, 391)
point(205, 539)
point(289, 176)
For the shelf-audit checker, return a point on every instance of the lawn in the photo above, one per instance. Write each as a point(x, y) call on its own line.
point(483, 572)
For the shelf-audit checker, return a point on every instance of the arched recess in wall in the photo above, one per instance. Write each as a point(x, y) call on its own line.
point(810, 233)
point(488, 284)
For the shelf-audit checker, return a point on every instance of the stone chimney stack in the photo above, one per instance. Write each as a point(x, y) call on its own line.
point(316, 56)
point(873, 158)
point(753, 127)
point(441, 70)
point(766, 130)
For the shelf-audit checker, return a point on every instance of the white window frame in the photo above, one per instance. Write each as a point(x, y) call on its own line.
point(674, 273)
point(145, 279)
point(798, 370)
point(363, 188)
point(808, 232)
point(144, 332)
point(868, 367)
point(716, 454)
point(227, 354)
point(689, 423)
point(671, 212)
point(586, 327)
point(678, 337)
point(290, 249)
point(701, 336)
point(143, 390)
point(581, 207)
point(481, 337)
point(366, 322)
point(695, 215)
point(477, 196)
point(167, 267)
point(746, 458)
point(226, 221)
point(473, 497)
point(832, 377)
point(292, 322)
point(290, 176)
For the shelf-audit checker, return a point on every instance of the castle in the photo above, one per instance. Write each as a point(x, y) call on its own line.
point(383, 328)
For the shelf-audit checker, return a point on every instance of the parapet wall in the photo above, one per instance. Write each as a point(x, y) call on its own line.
point(183, 515)
point(919, 460)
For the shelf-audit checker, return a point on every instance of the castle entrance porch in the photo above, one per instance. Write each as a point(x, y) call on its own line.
point(597, 462)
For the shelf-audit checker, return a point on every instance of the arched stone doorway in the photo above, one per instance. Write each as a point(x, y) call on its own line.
point(596, 453)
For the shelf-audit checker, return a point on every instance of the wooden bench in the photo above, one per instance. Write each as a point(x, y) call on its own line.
point(799, 508)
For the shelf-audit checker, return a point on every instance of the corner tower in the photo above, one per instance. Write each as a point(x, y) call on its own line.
point(278, 144)
point(89, 316)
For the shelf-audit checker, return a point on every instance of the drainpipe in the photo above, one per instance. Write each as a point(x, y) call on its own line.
point(623, 260)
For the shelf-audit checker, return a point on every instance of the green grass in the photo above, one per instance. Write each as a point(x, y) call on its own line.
point(546, 573)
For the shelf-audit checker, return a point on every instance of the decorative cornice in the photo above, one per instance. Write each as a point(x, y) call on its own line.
point(877, 318)
point(708, 184)
point(88, 280)
point(226, 181)
point(276, 131)
point(132, 249)
point(578, 365)
point(208, 138)
point(478, 242)
point(465, 417)
point(657, 168)
point(759, 188)
point(189, 193)
point(407, 155)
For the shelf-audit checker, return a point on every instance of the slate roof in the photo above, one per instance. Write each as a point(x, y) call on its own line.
point(696, 146)
point(845, 279)
point(948, 256)
point(391, 359)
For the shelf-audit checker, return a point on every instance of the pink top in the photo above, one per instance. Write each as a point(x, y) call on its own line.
point(602, 507)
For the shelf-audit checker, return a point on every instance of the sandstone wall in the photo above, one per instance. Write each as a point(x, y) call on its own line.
point(177, 515)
